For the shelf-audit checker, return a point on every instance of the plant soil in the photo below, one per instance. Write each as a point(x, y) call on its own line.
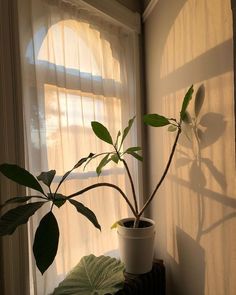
point(142, 224)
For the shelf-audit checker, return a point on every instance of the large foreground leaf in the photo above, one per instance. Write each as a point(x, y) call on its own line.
point(93, 275)
point(46, 242)
point(20, 176)
point(86, 212)
point(17, 216)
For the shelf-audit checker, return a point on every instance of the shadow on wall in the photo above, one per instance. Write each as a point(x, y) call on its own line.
point(200, 134)
point(195, 238)
point(189, 272)
point(190, 269)
point(198, 181)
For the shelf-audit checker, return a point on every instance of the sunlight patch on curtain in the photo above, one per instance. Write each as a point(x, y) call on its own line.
point(76, 69)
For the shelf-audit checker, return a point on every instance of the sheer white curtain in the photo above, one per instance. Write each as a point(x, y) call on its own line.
point(77, 67)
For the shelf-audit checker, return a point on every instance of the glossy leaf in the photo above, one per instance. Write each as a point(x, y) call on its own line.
point(126, 130)
point(93, 275)
point(102, 164)
point(187, 98)
point(86, 212)
point(101, 132)
point(17, 216)
point(46, 242)
point(155, 120)
point(20, 176)
point(47, 177)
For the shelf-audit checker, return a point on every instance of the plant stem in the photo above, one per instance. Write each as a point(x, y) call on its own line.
point(132, 185)
point(93, 186)
point(164, 173)
point(130, 179)
point(52, 206)
point(136, 222)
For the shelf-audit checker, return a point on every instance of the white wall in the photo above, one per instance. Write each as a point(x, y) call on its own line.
point(190, 42)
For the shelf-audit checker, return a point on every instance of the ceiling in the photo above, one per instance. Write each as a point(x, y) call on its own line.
point(135, 5)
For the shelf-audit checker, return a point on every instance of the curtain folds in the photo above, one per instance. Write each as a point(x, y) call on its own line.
point(76, 67)
point(14, 270)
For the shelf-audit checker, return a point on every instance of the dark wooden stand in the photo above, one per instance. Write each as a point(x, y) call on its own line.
point(152, 283)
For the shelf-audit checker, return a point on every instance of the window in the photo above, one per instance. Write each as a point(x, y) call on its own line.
point(77, 67)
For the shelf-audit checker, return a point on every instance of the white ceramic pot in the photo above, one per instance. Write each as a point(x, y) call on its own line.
point(136, 245)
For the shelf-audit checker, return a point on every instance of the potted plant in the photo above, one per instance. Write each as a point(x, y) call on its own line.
point(136, 232)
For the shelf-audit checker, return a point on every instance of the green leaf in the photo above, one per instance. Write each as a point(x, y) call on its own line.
point(20, 176)
point(155, 120)
point(135, 155)
point(92, 158)
point(102, 164)
point(172, 128)
point(46, 242)
point(59, 200)
point(133, 149)
point(82, 161)
point(115, 158)
point(187, 98)
point(86, 212)
point(47, 177)
point(17, 216)
point(101, 132)
point(93, 275)
point(127, 129)
point(77, 165)
point(117, 138)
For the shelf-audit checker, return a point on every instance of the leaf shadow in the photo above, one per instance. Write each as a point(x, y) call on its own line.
point(200, 132)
